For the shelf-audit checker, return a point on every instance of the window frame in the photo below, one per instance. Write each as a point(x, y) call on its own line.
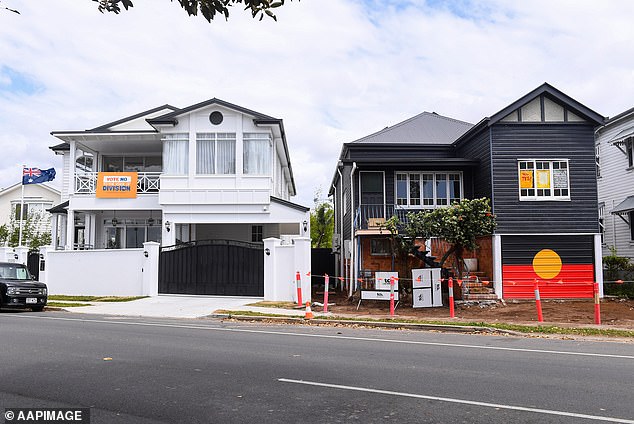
point(257, 233)
point(268, 157)
point(215, 138)
point(629, 152)
point(537, 165)
point(423, 176)
point(380, 252)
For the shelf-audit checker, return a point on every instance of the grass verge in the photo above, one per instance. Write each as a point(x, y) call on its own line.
point(66, 304)
point(269, 304)
point(63, 297)
point(527, 329)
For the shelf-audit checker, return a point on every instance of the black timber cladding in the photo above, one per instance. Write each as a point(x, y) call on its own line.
point(521, 250)
point(479, 147)
point(572, 141)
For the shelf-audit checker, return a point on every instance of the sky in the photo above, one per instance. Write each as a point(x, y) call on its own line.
point(333, 70)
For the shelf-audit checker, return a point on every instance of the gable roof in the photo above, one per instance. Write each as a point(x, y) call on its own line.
point(424, 128)
point(545, 88)
point(170, 118)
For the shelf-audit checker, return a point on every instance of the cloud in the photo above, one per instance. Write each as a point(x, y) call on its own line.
point(334, 70)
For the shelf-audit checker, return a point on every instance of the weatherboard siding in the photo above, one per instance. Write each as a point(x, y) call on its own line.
point(574, 142)
point(615, 184)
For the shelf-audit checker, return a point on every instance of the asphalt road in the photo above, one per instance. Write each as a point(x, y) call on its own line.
point(207, 371)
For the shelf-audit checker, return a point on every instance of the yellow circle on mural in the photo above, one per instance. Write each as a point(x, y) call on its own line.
point(547, 264)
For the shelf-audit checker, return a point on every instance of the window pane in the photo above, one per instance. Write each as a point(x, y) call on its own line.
point(175, 154)
point(153, 164)
point(133, 164)
point(454, 187)
point(401, 189)
point(441, 189)
point(135, 236)
point(205, 145)
point(428, 189)
point(154, 233)
point(227, 156)
point(257, 154)
point(414, 189)
point(113, 163)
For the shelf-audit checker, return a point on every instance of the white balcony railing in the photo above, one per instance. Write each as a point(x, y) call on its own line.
point(147, 182)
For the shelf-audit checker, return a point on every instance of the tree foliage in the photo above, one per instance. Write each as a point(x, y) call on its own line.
point(207, 8)
point(31, 237)
point(322, 219)
point(459, 224)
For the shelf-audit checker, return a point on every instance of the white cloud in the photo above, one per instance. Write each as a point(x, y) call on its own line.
point(334, 70)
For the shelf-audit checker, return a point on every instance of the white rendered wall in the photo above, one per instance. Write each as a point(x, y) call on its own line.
point(281, 266)
point(111, 272)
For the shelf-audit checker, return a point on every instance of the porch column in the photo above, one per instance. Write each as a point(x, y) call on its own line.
point(598, 262)
point(54, 223)
point(70, 230)
point(90, 230)
point(62, 231)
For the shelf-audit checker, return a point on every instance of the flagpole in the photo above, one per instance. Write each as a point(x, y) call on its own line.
point(21, 206)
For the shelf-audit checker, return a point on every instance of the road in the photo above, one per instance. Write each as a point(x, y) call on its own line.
point(189, 371)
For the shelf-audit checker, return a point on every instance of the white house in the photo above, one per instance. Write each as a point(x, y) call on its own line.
point(213, 176)
point(614, 144)
point(37, 199)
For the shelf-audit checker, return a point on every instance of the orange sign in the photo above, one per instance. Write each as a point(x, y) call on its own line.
point(120, 185)
point(526, 179)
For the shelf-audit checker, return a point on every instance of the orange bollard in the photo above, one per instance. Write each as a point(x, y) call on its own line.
point(298, 279)
point(597, 304)
point(452, 312)
point(538, 303)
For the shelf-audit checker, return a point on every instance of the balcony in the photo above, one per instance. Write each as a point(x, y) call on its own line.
point(147, 183)
point(373, 216)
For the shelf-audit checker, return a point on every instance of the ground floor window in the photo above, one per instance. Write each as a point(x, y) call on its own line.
point(380, 246)
point(130, 234)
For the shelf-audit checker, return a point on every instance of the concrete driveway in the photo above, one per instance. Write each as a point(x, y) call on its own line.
point(168, 306)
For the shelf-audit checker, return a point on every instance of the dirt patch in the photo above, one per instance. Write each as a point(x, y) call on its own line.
point(616, 313)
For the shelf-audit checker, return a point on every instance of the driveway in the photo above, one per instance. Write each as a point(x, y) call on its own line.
point(168, 306)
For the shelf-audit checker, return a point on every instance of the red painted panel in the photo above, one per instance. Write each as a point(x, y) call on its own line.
point(574, 281)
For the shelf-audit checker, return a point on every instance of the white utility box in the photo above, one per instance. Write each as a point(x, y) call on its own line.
point(426, 291)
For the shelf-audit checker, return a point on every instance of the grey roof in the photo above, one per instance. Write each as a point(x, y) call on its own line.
point(425, 128)
point(625, 206)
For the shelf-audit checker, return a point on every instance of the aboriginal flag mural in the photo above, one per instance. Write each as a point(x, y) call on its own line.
point(562, 265)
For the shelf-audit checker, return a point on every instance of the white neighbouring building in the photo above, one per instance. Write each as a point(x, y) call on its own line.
point(208, 182)
point(38, 198)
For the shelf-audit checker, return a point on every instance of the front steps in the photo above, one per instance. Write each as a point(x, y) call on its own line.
point(476, 287)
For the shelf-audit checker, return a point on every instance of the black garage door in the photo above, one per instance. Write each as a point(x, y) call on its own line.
point(212, 267)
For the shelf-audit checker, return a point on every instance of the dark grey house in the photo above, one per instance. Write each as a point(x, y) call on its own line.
point(535, 160)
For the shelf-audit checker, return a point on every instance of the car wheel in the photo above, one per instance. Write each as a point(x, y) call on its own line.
point(37, 308)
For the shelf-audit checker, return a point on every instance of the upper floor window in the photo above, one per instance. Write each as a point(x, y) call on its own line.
point(428, 189)
point(132, 163)
point(543, 179)
point(84, 161)
point(175, 153)
point(630, 153)
point(257, 154)
point(597, 159)
point(215, 153)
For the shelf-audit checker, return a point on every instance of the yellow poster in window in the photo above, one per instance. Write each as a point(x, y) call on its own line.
point(543, 178)
point(526, 179)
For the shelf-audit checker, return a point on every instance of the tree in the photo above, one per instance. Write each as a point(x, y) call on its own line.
point(10, 233)
point(207, 8)
point(322, 220)
point(459, 224)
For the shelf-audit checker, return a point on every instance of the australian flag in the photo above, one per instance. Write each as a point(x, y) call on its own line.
point(36, 175)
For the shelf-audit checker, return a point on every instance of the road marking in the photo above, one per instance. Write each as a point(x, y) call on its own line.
point(341, 337)
point(460, 401)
